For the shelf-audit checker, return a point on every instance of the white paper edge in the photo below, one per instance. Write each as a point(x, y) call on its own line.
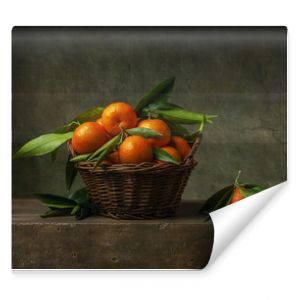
point(231, 220)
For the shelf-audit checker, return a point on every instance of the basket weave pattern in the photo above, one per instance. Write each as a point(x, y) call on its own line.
point(137, 191)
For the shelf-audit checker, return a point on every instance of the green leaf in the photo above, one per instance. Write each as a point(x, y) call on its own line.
point(107, 147)
point(54, 201)
point(219, 199)
point(144, 132)
point(249, 190)
point(190, 138)
point(183, 116)
point(77, 204)
point(258, 189)
point(43, 144)
point(177, 129)
point(57, 213)
point(75, 210)
point(158, 93)
point(91, 114)
point(71, 172)
point(80, 157)
point(223, 197)
point(66, 128)
point(161, 154)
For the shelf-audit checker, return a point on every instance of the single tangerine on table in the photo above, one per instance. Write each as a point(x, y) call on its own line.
point(88, 137)
point(118, 115)
point(135, 149)
point(160, 127)
point(236, 196)
point(173, 152)
point(181, 145)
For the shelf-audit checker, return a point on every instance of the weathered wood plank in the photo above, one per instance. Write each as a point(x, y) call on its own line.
point(183, 241)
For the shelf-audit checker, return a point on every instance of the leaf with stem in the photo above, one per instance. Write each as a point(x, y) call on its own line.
point(56, 213)
point(91, 114)
point(55, 201)
point(43, 144)
point(80, 157)
point(158, 93)
point(176, 129)
point(144, 132)
point(162, 155)
point(107, 147)
point(219, 199)
point(182, 116)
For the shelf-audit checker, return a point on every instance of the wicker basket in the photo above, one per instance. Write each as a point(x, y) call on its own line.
point(137, 191)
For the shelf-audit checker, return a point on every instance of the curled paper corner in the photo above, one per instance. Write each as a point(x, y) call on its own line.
point(231, 220)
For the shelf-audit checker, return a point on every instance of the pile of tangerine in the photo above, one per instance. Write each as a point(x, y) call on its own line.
point(90, 136)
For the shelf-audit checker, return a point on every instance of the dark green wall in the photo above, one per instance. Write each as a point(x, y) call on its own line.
point(237, 73)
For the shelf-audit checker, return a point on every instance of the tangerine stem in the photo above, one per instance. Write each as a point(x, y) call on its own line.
point(236, 183)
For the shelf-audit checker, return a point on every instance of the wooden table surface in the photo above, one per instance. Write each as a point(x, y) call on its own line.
point(181, 242)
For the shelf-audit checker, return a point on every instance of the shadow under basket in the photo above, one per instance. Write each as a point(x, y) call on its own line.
point(137, 191)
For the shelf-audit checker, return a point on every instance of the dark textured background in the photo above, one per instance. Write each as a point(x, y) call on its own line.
point(237, 73)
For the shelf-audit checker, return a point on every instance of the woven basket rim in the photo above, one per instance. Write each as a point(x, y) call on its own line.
point(188, 162)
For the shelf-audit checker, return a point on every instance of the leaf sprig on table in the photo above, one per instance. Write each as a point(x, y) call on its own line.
point(76, 204)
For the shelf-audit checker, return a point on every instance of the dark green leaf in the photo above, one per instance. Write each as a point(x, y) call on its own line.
point(144, 132)
point(158, 93)
point(54, 155)
point(81, 197)
point(162, 155)
point(54, 201)
point(71, 172)
point(83, 213)
point(161, 104)
point(248, 190)
point(219, 199)
point(57, 213)
point(43, 144)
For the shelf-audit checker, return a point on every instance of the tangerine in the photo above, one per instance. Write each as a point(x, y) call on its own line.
point(118, 115)
point(181, 145)
point(113, 157)
point(135, 149)
point(160, 127)
point(236, 196)
point(88, 137)
point(99, 121)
